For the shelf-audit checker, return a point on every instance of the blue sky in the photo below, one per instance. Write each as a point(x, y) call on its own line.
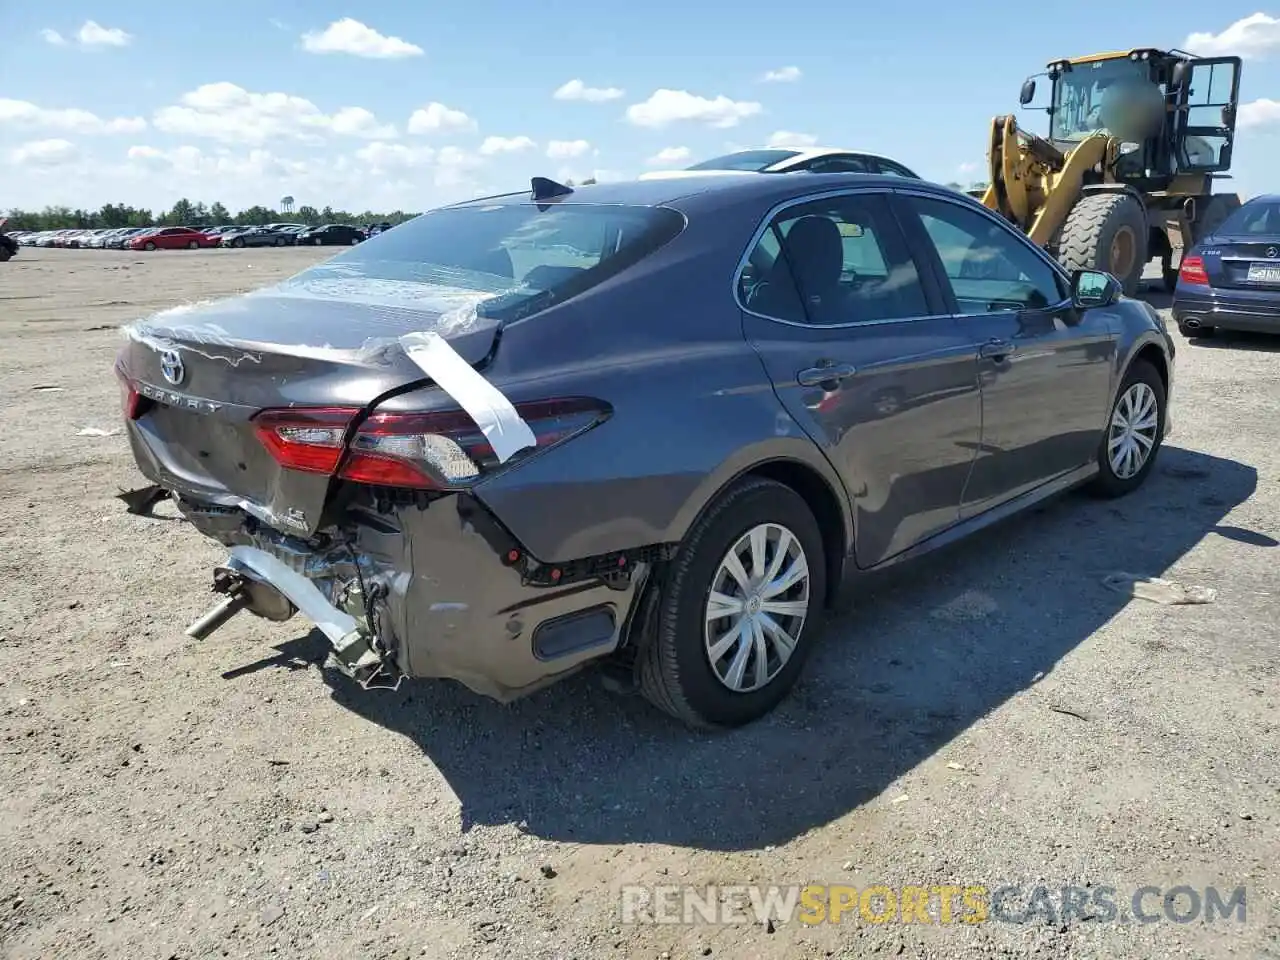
point(230, 101)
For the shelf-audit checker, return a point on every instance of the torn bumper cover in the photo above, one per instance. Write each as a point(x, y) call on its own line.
point(427, 591)
point(403, 579)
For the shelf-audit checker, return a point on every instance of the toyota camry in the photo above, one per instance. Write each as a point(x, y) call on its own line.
point(658, 427)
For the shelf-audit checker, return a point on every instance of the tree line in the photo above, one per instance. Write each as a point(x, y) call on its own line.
point(184, 213)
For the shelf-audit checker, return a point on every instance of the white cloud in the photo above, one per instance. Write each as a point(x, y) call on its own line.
point(1259, 113)
point(437, 118)
point(671, 106)
point(395, 156)
point(1252, 37)
point(967, 169)
point(496, 145)
point(227, 112)
point(456, 168)
point(565, 174)
point(577, 90)
point(359, 122)
point(23, 113)
point(53, 37)
point(669, 157)
point(782, 75)
point(787, 138)
point(353, 37)
point(94, 35)
point(567, 149)
point(44, 153)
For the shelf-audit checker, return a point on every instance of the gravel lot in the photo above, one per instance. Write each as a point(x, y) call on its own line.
point(998, 716)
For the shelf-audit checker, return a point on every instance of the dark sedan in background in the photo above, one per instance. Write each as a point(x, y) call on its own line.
point(1231, 279)
point(331, 234)
point(640, 424)
point(260, 237)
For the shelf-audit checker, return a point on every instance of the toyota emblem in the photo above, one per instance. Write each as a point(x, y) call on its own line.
point(171, 366)
point(1271, 253)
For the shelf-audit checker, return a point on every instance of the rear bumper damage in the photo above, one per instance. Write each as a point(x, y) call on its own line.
point(420, 588)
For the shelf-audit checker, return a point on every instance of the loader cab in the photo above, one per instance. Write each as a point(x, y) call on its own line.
point(1172, 115)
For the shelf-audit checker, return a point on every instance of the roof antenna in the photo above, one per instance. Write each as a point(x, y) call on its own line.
point(544, 189)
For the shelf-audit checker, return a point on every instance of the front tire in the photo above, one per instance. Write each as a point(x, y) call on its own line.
point(1106, 231)
point(1134, 432)
point(739, 609)
point(149, 246)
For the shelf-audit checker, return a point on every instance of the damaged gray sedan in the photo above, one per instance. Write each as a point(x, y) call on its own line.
point(651, 426)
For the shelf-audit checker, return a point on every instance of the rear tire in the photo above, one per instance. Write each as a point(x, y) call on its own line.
point(5, 254)
point(1106, 231)
point(279, 241)
point(193, 245)
point(1140, 399)
point(676, 668)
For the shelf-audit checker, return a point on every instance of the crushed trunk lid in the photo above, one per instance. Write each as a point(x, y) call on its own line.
point(326, 338)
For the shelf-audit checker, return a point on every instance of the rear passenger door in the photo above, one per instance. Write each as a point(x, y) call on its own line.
point(1045, 367)
point(865, 357)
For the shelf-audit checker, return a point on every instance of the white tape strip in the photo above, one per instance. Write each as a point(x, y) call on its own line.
point(493, 413)
point(306, 596)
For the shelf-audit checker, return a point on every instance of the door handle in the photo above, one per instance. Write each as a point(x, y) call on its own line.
point(826, 375)
point(995, 349)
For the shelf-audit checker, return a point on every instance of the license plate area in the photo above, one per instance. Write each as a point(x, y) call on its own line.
point(1264, 273)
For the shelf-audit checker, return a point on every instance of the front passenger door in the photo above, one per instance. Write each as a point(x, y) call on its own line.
point(1045, 366)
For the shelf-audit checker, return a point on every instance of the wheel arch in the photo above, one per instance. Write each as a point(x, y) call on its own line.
point(824, 496)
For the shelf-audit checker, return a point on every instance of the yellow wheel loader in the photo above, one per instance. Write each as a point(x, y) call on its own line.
point(1136, 140)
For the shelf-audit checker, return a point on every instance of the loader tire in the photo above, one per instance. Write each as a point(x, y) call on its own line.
point(1106, 231)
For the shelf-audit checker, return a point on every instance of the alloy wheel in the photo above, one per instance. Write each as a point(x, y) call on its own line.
point(756, 607)
point(1133, 430)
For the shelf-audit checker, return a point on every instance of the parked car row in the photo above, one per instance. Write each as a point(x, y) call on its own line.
point(195, 238)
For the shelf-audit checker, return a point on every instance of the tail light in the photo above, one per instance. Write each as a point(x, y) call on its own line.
point(1192, 271)
point(130, 399)
point(427, 451)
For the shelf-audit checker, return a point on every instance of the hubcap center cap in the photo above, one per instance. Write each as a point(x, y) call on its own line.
point(753, 606)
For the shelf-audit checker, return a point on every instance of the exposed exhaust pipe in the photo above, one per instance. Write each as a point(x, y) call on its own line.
point(1191, 323)
point(218, 614)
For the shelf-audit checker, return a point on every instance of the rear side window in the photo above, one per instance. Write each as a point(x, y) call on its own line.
point(1253, 219)
point(891, 169)
point(842, 261)
point(515, 257)
point(847, 164)
point(746, 160)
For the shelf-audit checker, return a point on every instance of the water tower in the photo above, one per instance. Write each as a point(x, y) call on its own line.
point(286, 204)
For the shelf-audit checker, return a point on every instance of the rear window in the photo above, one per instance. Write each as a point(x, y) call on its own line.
point(749, 160)
point(516, 258)
point(1254, 220)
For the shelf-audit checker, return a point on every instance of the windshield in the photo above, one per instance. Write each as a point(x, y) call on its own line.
point(1078, 94)
point(749, 160)
point(514, 257)
point(1259, 219)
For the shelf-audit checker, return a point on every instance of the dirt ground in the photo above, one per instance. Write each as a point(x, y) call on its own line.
point(998, 717)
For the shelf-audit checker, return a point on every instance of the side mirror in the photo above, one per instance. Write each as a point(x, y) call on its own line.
point(1181, 74)
point(1229, 115)
point(1028, 92)
point(1094, 288)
